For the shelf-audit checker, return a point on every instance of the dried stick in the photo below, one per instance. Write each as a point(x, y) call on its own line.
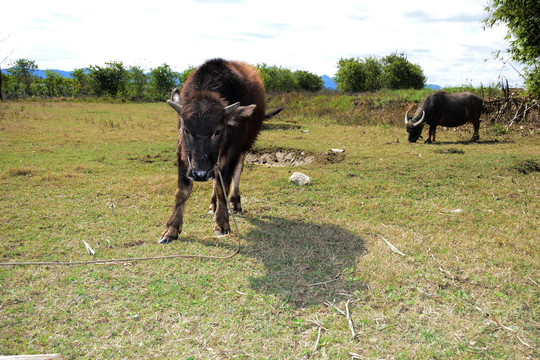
point(318, 339)
point(494, 319)
point(534, 282)
point(523, 342)
point(324, 282)
point(345, 313)
point(349, 320)
point(328, 303)
point(392, 247)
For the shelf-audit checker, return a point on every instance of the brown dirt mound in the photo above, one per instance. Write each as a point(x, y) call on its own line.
point(290, 157)
point(513, 110)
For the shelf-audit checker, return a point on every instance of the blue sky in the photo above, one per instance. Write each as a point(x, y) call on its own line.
point(445, 38)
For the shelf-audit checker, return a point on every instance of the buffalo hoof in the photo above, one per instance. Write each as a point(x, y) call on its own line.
point(236, 208)
point(234, 203)
point(165, 240)
point(222, 230)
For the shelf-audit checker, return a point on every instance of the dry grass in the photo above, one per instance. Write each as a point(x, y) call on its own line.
point(465, 216)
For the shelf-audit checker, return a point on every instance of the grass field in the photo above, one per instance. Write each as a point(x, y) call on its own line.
point(313, 265)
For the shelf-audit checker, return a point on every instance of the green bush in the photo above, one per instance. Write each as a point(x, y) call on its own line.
point(162, 81)
point(399, 73)
point(308, 81)
point(109, 80)
point(277, 79)
point(371, 74)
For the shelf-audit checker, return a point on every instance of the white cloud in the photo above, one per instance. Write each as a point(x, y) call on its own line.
point(446, 40)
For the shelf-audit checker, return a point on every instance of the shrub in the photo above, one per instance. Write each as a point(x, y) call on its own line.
point(308, 81)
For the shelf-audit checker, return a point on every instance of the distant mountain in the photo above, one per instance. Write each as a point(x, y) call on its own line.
point(62, 73)
point(41, 73)
point(329, 82)
point(433, 87)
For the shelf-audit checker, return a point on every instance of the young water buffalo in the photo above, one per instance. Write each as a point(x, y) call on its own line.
point(445, 109)
point(220, 113)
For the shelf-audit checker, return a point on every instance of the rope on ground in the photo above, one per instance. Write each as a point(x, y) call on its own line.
point(117, 261)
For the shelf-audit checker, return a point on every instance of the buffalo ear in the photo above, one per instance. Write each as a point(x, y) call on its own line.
point(175, 95)
point(240, 111)
point(175, 101)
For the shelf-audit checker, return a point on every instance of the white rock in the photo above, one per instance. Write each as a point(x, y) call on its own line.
point(337, 151)
point(300, 179)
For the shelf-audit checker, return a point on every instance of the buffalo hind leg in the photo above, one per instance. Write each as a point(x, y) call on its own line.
point(476, 126)
point(221, 215)
point(173, 228)
point(234, 200)
point(212, 208)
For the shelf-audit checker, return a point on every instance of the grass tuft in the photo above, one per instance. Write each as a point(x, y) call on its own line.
point(527, 166)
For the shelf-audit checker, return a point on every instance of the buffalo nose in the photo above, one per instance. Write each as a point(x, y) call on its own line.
point(200, 175)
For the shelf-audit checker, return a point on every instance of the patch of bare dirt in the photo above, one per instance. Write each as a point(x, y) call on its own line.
point(279, 126)
point(290, 157)
point(279, 157)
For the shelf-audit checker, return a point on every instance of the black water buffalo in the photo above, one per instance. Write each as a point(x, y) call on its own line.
point(444, 109)
point(220, 112)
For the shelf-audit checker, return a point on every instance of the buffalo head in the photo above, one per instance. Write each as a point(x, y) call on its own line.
point(204, 121)
point(414, 127)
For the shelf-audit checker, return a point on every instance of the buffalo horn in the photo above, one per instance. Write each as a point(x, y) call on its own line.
point(406, 118)
point(421, 119)
point(176, 106)
point(229, 109)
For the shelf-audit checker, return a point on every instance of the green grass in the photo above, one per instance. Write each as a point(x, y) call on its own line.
point(465, 215)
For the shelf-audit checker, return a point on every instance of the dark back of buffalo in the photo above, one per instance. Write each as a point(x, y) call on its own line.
point(220, 113)
point(445, 109)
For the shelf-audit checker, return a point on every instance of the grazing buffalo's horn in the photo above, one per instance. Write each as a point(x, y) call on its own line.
point(229, 109)
point(176, 106)
point(421, 119)
point(406, 118)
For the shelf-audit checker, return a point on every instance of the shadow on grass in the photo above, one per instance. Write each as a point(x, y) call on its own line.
point(469, 142)
point(305, 263)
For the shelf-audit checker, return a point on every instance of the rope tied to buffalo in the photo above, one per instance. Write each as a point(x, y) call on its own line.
point(174, 256)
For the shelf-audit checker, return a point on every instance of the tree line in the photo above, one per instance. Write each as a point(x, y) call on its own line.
point(116, 80)
point(113, 80)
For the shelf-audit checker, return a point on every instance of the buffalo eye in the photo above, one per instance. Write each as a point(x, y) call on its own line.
point(187, 133)
point(217, 133)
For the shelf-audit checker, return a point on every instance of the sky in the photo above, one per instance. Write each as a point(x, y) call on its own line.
point(446, 39)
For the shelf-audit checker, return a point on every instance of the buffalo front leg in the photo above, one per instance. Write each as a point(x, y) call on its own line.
point(173, 228)
point(221, 215)
point(431, 135)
